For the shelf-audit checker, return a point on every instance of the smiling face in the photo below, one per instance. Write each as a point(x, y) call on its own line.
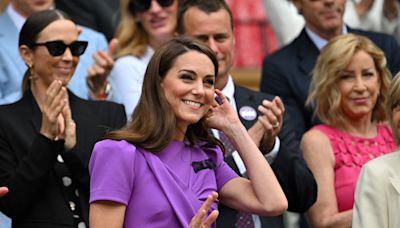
point(47, 68)
point(189, 87)
point(324, 17)
point(215, 30)
point(359, 86)
point(159, 22)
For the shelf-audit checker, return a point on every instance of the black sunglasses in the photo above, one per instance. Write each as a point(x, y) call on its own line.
point(144, 5)
point(58, 47)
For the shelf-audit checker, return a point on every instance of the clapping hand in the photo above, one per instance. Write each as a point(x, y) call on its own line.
point(57, 122)
point(269, 124)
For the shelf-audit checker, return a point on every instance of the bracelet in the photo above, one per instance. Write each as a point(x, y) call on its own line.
point(102, 95)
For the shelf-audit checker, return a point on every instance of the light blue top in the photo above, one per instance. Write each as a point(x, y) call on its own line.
point(127, 79)
point(12, 67)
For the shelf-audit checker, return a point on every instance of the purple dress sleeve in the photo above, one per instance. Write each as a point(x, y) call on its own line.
point(112, 173)
point(223, 172)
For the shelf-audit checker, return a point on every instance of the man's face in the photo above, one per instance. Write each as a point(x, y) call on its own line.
point(324, 17)
point(28, 7)
point(215, 30)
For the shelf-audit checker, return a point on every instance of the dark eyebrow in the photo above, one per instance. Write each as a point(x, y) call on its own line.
point(187, 71)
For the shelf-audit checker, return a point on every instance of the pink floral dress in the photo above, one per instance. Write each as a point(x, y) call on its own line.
point(351, 153)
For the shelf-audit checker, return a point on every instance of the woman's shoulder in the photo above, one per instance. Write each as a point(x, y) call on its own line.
point(128, 60)
point(119, 148)
point(211, 150)
point(315, 134)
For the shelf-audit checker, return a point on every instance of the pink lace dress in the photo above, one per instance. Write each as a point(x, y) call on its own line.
point(352, 152)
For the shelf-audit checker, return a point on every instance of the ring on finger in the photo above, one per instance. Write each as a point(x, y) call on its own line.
point(71, 122)
point(275, 125)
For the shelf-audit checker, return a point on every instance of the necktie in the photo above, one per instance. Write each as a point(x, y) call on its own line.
point(243, 219)
point(229, 148)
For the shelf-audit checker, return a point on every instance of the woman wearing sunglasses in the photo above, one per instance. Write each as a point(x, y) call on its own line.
point(47, 136)
point(144, 25)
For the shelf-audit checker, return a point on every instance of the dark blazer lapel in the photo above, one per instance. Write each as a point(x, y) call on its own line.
point(34, 110)
point(243, 98)
point(308, 53)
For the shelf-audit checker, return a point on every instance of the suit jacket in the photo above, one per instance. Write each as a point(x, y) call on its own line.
point(377, 196)
point(295, 178)
point(29, 162)
point(12, 67)
point(287, 73)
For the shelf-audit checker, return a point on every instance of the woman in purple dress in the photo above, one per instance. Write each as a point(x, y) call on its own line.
point(160, 170)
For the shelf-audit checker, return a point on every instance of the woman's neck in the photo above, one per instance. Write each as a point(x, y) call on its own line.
point(180, 132)
point(39, 93)
point(156, 42)
point(363, 127)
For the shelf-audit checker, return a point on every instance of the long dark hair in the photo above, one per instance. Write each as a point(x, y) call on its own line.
point(153, 122)
point(30, 31)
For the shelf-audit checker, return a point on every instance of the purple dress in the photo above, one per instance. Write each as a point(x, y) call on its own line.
point(162, 189)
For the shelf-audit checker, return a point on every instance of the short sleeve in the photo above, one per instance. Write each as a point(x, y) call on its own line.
point(223, 172)
point(111, 169)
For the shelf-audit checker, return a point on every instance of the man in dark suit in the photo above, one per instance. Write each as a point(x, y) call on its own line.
point(287, 73)
point(211, 22)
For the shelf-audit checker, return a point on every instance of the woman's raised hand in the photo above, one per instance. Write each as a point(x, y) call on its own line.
point(221, 114)
point(69, 133)
point(54, 102)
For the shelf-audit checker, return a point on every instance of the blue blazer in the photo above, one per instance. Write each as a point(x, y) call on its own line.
point(287, 73)
point(12, 67)
point(294, 176)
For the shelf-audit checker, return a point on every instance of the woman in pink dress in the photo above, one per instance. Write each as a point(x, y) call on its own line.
point(348, 89)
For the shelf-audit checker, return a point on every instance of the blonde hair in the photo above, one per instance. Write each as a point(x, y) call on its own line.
point(334, 58)
point(133, 39)
point(393, 100)
point(3, 5)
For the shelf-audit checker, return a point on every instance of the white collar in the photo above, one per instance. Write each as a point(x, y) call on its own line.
point(16, 18)
point(229, 90)
point(319, 41)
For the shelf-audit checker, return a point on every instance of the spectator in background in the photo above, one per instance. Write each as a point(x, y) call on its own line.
point(11, 65)
point(263, 115)
point(369, 15)
point(348, 90)
point(159, 170)
point(285, 20)
point(102, 16)
point(374, 15)
point(144, 26)
point(47, 136)
point(287, 72)
point(376, 201)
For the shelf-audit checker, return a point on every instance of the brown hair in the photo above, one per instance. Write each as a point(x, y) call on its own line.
point(153, 122)
point(208, 6)
point(333, 59)
point(393, 100)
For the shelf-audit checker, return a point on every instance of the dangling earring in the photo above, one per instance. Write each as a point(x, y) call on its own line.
point(31, 68)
